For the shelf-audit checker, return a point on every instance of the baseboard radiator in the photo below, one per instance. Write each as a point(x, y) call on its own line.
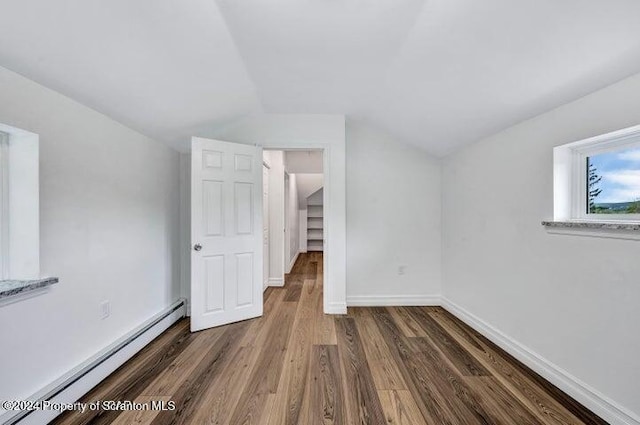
point(76, 383)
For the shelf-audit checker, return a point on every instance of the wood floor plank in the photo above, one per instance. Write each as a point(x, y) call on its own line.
point(274, 300)
point(325, 330)
point(189, 395)
point(295, 365)
point(431, 392)
point(293, 381)
point(256, 335)
point(170, 379)
point(363, 405)
point(311, 269)
point(326, 397)
point(223, 394)
point(220, 399)
point(294, 289)
point(141, 417)
point(265, 416)
point(357, 312)
point(532, 395)
point(495, 398)
point(400, 408)
point(406, 323)
point(383, 367)
point(309, 297)
point(463, 361)
point(452, 383)
point(293, 388)
point(266, 373)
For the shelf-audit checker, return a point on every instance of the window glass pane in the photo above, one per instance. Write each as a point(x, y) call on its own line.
point(613, 182)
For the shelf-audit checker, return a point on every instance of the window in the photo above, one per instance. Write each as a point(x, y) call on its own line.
point(613, 183)
point(19, 204)
point(598, 179)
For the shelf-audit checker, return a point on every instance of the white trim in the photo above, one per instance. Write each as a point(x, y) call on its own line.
point(276, 281)
point(335, 270)
point(583, 393)
point(393, 300)
point(95, 375)
point(292, 262)
point(336, 308)
point(4, 205)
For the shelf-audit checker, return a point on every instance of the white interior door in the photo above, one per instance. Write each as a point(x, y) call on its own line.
point(265, 226)
point(226, 232)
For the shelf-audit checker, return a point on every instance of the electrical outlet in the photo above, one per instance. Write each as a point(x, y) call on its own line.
point(105, 309)
point(402, 269)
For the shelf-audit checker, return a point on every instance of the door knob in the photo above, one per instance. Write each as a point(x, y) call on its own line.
point(197, 247)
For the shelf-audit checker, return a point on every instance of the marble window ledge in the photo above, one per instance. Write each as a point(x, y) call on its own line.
point(599, 229)
point(10, 288)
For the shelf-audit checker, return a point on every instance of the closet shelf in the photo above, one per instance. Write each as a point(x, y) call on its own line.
point(315, 227)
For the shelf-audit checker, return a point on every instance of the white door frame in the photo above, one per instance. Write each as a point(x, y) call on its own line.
point(266, 246)
point(328, 286)
point(287, 229)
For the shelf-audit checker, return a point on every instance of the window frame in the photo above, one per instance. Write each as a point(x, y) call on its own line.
point(4, 205)
point(579, 152)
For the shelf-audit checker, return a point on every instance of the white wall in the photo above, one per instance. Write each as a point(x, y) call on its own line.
point(185, 228)
point(316, 198)
point(277, 258)
point(108, 230)
point(393, 220)
point(307, 184)
point(574, 301)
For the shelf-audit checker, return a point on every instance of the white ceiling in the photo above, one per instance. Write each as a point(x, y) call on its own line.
point(438, 73)
point(303, 161)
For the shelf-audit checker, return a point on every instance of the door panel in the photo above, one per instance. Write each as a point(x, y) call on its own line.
point(214, 273)
point(244, 208)
point(226, 259)
point(212, 207)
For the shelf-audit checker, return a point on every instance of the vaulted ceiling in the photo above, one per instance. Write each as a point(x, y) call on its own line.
point(437, 73)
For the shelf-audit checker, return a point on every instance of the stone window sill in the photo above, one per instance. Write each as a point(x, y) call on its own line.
point(598, 229)
point(9, 288)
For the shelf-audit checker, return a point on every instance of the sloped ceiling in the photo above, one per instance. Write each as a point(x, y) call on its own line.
point(438, 74)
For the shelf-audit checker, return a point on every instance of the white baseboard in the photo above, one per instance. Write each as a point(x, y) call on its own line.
point(77, 382)
point(276, 281)
point(392, 300)
point(583, 393)
point(295, 258)
point(336, 308)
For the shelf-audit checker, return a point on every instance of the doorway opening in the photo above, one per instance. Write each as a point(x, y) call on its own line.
point(293, 221)
point(234, 257)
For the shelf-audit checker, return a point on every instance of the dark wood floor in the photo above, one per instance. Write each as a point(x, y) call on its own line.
point(295, 365)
